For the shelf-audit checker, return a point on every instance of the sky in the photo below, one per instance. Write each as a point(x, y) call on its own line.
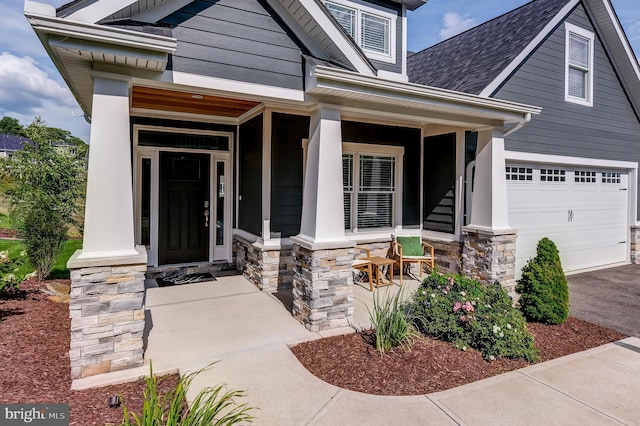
point(30, 85)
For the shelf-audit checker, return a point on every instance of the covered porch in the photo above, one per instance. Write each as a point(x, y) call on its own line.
point(187, 327)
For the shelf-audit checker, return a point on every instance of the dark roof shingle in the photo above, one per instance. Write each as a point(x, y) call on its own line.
point(12, 142)
point(470, 61)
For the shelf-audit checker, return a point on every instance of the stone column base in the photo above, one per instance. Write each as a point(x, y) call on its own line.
point(107, 316)
point(323, 284)
point(489, 256)
point(270, 268)
point(635, 245)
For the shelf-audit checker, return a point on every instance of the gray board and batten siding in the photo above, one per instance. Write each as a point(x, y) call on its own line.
point(250, 173)
point(608, 130)
point(240, 40)
point(287, 133)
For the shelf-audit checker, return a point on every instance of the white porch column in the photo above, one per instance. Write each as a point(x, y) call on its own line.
point(488, 252)
point(322, 275)
point(323, 202)
point(108, 225)
point(489, 201)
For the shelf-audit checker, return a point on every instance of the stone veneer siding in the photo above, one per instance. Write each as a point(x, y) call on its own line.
point(635, 245)
point(323, 284)
point(107, 314)
point(490, 256)
point(448, 254)
point(268, 268)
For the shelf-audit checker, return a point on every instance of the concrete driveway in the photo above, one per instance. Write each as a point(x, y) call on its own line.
point(609, 297)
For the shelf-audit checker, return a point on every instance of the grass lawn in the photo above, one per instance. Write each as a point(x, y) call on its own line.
point(4, 221)
point(59, 271)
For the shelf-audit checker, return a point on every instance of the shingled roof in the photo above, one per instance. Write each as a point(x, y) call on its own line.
point(11, 143)
point(470, 61)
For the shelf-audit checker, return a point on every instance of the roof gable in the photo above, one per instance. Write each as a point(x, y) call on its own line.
point(471, 61)
point(308, 20)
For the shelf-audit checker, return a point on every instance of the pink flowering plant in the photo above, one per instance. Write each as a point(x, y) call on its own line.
point(471, 314)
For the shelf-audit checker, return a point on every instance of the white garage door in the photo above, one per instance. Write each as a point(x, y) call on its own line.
point(584, 211)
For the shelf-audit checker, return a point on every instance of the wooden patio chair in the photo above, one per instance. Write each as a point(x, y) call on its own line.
point(408, 249)
point(364, 265)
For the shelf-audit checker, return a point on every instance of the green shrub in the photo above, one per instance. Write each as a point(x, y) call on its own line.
point(391, 320)
point(212, 406)
point(472, 315)
point(46, 194)
point(543, 289)
point(11, 270)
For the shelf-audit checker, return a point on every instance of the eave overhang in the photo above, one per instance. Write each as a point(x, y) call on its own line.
point(411, 4)
point(334, 83)
point(76, 47)
point(98, 35)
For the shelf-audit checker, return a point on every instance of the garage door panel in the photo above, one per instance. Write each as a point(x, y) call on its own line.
point(587, 219)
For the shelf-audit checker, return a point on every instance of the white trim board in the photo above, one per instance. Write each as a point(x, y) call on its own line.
point(529, 157)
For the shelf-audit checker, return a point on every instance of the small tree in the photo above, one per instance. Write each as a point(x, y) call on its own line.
point(543, 286)
point(48, 186)
point(10, 126)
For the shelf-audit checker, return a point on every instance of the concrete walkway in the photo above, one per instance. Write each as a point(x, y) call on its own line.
point(249, 332)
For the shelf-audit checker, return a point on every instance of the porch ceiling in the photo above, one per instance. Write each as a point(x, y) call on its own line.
point(192, 103)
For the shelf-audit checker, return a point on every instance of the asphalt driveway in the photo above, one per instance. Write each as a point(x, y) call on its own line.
point(609, 297)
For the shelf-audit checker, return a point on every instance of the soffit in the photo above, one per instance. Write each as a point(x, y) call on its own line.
point(189, 102)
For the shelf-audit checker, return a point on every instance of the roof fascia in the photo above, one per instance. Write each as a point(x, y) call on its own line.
point(493, 87)
point(161, 11)
point(411, 92)
point(100, 33)
point(98, 10)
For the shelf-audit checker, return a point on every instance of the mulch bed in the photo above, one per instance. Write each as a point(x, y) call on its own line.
point(431, 365)
point(34, 349)
point(8, 234)
point(34, 346)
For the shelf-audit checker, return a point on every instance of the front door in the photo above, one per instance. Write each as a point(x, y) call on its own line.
point(183, 234)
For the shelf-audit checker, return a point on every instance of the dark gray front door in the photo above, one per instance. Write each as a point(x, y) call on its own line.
point(184, 196)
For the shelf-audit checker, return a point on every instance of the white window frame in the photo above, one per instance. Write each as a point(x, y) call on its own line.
point(391, 18)
point(357, 149)
point(571, 29)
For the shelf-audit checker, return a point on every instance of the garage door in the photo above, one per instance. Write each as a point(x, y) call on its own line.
point(584, 211)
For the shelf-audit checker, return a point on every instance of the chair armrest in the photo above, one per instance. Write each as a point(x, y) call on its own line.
point(397, 249)
point(429, 247)
point(368, 251)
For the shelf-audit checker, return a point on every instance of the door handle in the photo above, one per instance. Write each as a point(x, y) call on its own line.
point(206, 214)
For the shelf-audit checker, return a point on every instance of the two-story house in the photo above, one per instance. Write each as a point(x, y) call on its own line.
point(273, 136)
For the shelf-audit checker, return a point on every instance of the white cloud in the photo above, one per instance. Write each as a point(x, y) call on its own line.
point(24, 86)
point(454, 23)
point(27, 90)
point(17, 35)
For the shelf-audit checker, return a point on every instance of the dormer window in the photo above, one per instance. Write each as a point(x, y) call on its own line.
point(579, 65)
point(372, 29)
